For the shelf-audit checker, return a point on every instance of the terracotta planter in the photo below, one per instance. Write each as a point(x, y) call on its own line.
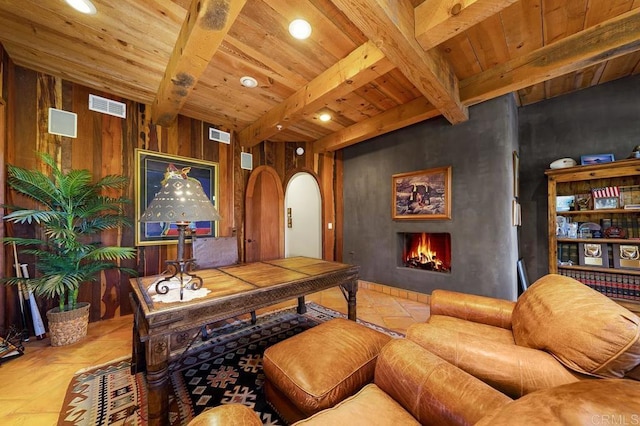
point(68, 327)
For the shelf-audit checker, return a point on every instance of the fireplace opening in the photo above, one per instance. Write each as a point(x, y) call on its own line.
point(426, 251)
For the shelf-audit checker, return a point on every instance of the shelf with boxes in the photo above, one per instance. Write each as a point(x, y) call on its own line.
point(594, 227)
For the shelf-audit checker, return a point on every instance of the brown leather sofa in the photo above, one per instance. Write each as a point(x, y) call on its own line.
point(460, 366)
point(559, 331)
point(413, 386)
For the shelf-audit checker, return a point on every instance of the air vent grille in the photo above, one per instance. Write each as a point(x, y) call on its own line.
point(107, 106)
point(219, 135)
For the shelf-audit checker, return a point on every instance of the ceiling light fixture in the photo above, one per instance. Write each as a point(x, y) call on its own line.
point(325, 116)
point(249, 82)
point(83, 6)
point(300, 29)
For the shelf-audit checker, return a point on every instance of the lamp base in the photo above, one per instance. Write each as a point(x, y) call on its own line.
point(181, 270)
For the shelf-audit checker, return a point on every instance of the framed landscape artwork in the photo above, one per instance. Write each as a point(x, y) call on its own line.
point(151, 167)
point(421, 195)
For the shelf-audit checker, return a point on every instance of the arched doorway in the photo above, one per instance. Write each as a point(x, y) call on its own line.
point(303, 217)
point(264, 221)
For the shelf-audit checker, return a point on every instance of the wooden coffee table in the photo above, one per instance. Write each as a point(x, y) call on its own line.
point(162, 331)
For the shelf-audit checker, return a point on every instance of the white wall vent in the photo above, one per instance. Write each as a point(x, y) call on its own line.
point(63, 123)
point(246, 161)
point(107, 106)
point(219, 135)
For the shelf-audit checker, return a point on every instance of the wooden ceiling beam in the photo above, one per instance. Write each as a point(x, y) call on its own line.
point(204, 28)
point(390, 24)
point(615, 37)
point(396, 118)
point(436, 21)
point(361, 66)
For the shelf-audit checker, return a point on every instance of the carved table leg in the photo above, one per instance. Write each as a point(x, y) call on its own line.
point(352, 289)
point(302, 308)
point(158, 381)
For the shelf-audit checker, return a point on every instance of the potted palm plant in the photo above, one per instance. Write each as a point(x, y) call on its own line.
point(71, 213)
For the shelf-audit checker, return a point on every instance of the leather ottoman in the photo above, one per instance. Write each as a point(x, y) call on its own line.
point(320, 367)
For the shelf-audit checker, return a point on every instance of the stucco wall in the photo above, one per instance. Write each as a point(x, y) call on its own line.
point(483, 240)
point(599, 120)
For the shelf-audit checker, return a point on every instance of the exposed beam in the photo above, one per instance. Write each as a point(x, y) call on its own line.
point(612, 38)
point(616, 37)
point(390, 24)
point(401, 116)
point(437, 21)
point(364, 64)
point(206, 24)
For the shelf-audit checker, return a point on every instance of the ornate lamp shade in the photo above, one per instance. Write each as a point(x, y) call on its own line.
point(180, 200)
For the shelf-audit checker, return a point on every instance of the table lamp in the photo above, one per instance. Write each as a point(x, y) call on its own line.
point(181, 201)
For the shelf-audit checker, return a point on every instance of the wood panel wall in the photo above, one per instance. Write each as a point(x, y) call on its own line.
point(106, 145)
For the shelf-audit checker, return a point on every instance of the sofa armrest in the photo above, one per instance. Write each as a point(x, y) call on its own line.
point(227, 415)
point(431, 389)
point(471, 307)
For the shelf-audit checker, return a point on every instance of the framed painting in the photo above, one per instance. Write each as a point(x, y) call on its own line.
point(150, 170)
point(421, 195)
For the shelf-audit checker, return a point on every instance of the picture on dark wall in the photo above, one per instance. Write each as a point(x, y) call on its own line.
point(151, 168)
point(421, 195)
point(596, 159)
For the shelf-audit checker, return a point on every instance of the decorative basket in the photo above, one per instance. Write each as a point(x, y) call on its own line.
point(68, 327)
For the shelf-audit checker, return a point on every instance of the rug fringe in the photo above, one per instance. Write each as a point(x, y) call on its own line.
point(112, 361)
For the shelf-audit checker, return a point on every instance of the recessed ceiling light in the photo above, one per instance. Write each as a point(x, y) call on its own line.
point(325, 116)
point(247, 81)
point(83, 6)
point(300, 29)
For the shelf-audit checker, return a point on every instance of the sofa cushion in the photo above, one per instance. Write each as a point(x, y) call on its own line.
point(585, 330)
point(488, 332)
point(370, 406)
point(514, 370)
point(587, 402)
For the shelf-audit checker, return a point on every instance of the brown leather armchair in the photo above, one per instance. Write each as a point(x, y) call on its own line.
point(558, 332)
point(413, 386)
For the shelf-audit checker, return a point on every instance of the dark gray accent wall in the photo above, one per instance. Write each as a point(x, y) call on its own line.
point(603, 119)
point(483, 239)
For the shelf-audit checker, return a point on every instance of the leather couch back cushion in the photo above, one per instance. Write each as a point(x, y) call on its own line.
point(585, 330)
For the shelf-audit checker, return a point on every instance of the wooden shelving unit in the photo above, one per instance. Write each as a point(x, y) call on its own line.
point(620, 284)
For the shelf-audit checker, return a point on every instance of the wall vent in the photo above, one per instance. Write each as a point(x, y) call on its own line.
point(107, 106)
point(246, 161)
point(63, 123)
point(219, 135)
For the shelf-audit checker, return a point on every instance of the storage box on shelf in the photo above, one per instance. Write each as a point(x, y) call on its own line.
point(607, 259)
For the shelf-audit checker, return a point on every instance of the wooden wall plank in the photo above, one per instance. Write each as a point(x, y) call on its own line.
point(106, 145)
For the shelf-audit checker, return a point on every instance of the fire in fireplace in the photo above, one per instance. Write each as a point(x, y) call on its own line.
point(427, 251)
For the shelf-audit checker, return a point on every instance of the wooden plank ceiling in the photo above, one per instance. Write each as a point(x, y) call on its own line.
point(374, 65)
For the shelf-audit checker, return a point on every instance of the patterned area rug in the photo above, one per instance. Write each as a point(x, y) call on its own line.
point(227, 368)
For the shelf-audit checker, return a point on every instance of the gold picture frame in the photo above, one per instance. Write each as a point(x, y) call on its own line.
point(422, 195)
point(150, 168)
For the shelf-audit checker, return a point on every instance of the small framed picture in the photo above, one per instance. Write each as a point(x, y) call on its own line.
point(596, 159)
point(564, 203)
point(605, 203)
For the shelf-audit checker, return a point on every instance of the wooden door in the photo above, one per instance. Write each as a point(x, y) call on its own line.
point(264, 221)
